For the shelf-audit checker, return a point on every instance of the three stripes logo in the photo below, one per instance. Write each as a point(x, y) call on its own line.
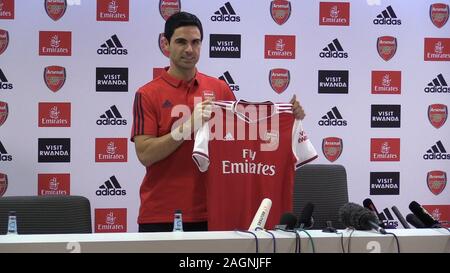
point(225, 14)
point(4, 156)
point(112, 46)
point(226, 77)
point(333, 118)
point(112, 116)
point(4, 81)
point(387, 17)
point(436, 151)
point(110, 187)
point(388, 220)
point(437, 85)
point(333, 50)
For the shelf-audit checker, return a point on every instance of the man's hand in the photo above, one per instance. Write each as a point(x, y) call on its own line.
point(297, 109)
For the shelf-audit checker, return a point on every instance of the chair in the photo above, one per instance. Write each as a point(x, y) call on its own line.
point(49, 214)
point(325, 186)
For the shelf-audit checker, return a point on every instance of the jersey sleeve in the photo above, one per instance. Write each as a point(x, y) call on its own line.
point(200, 154)
point(302, 147)
point(145, 121)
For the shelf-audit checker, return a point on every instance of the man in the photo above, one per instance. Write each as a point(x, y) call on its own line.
point(163, 143)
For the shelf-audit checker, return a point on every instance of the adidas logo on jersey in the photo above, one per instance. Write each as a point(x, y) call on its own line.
point(387, 17)
point(111, 117)
point(228, 137)
point(112, 46)
point(4, 81)
point(4, 156)
point(226, 77)
point(436, 151)
point(225, 14)
point(111, 187)
point(437, 85)
point(333, 50)
point(333, 118)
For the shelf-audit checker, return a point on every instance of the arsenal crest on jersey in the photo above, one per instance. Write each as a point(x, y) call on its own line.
point(4, 40)
point(3, 112)
point(55, 8)
point(3, 183)
point(169, 7)
point(54, 77)
point(279, 79)
point(439, 14)
point(161, 45)
point(332, 148)
point(437, 114)
point(386, 46)
point(436, 181)
point(280, 10)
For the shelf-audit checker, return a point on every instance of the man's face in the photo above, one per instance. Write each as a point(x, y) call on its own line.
point(184, 47)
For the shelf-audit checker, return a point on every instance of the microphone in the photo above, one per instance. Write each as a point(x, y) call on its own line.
point(367, 203)
point(288, 221)
point(360, 218)
point(413, 220)
point(305, 220)
point(260, 218)
point(400, 217)
point(423, 215)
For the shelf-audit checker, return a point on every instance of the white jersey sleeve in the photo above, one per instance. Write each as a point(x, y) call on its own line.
point(200, 154)
point(302, 147)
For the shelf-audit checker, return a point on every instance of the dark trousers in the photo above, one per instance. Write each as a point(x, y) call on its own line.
point(166, 227)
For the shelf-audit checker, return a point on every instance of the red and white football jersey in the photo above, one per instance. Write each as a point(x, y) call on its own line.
point(250, 152)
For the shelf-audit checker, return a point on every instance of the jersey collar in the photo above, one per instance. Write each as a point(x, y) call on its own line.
point(177, 82)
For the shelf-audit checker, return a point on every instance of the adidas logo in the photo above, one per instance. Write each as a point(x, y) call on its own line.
point(225, 14)
point(4, 81)
point(226, 77)
point(333, 50)
point(387, 17)
point(333, 118)
point(4, 156)
point(110, 187)
point(112, 46)
point(228, 137)
point(437, 151)
point(437, 85)
point(111, 117)
point(388, 220)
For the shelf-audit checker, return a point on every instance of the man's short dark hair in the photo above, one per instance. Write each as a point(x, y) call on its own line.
point(181, 19)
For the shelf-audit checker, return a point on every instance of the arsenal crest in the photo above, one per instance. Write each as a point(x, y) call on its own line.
point(280, 10)
point(332, 148)
point(55, 8)
point(54, 77)
point(169, 7)
point(386, 47)
point(436, 181)
point(439, 14)
point(3, 112)
point(279, 79)
point(4, 40)
point(437, 114)
point(161, 45)
point(3, 183)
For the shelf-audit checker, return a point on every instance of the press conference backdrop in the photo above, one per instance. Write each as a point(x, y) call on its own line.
point(372, 76)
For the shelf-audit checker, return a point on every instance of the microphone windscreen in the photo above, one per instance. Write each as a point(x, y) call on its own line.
point(288, 219)
point(355, 216)
point(414, 221)
point(306, 215)
point(423, 215)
